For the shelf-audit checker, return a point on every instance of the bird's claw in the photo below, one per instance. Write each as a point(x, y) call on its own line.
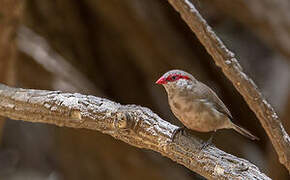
point(176, 131)
point(207, 143)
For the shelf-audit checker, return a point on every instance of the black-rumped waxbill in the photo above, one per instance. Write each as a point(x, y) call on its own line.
point(196, 105)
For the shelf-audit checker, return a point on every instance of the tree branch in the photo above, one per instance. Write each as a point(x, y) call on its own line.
point(226, 60)
point(135, 125)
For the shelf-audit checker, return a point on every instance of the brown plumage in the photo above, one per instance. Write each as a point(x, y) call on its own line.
point(196, 105)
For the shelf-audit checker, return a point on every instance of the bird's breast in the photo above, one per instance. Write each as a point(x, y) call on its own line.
point(196, 114)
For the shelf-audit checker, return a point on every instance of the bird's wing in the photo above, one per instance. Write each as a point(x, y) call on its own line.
point(206, 93)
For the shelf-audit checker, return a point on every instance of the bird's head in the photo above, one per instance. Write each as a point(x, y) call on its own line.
point(175, 78)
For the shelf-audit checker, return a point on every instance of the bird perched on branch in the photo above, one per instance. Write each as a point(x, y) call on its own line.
point(196, 105)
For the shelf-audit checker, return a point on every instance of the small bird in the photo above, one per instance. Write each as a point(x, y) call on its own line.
point(196, 105)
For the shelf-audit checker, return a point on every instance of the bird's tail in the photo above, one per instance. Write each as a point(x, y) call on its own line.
point(244, 132)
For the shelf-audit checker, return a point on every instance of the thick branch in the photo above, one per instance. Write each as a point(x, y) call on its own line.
point(226, 60)
point(135, 125)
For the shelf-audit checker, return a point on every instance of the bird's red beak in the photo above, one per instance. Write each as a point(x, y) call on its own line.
point(161, 81)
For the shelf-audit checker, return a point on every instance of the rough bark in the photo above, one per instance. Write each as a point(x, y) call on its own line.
point(134, 41)
point(226, 60)
point(135, 125)
point(101, 49)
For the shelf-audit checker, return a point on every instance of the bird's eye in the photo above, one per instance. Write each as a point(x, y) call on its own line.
point(174, 77)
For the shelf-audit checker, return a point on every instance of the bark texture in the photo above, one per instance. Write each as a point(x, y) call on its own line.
point(226, 60)
point(135, 125)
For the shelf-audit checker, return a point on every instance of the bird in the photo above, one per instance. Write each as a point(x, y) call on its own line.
point(196, 105)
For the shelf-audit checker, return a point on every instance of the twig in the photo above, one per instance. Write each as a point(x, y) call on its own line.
point(226, 60)
point(135, 125)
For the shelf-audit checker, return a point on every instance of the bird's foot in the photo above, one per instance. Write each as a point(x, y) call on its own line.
point(176, 131)
point(208, 142)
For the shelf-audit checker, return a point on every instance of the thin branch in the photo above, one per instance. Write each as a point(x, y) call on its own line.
point(226, 60)
point(135, 125)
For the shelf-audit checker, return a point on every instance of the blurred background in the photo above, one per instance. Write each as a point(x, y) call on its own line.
point(117, 49)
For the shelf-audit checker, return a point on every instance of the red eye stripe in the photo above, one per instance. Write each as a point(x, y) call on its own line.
point(171, 77)
point(184, 77)
point(174, 77)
